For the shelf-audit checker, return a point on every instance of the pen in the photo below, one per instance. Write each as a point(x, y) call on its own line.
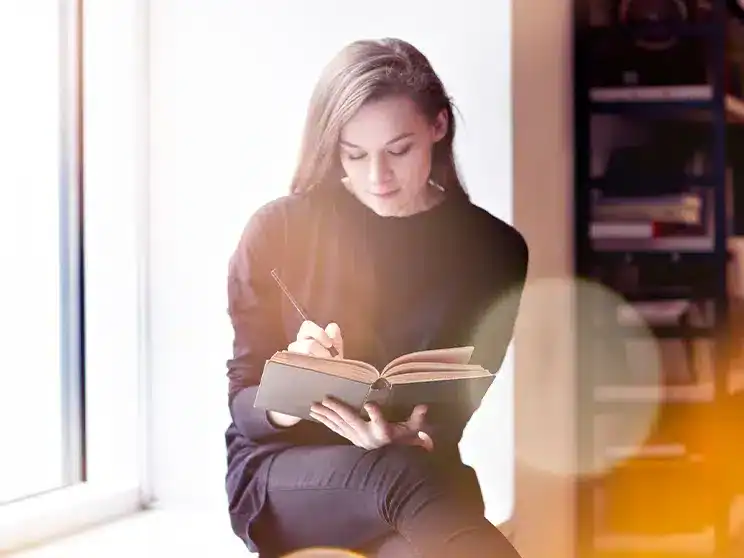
point(283, 287)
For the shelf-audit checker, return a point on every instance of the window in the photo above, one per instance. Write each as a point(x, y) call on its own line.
point(41, 412)
point(73, 445)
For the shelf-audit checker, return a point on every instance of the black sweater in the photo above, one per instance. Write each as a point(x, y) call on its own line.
point(449, 276)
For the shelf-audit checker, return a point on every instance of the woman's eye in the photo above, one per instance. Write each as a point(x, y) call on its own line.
point(400, 152)
point(394, 152)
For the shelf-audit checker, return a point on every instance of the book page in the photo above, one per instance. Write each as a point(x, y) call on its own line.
point(433, 369)
point(412, 377)
point(344, 368)
point(454, 355)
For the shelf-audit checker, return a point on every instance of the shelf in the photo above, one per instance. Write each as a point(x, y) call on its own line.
point(706, 113)
point(676, 545)
point(664, 101)
point(643, 256)
point(669, 294)
point(700, 393)
point(656, 331)
point(694, 29)
point(681, 245)
point(657, 451)
point(644, 395)
point(612, 99)
point(684, 183)
point(701, 543)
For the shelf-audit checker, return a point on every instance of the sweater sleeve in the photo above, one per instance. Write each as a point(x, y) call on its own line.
point(492, 328)
point(254, 313)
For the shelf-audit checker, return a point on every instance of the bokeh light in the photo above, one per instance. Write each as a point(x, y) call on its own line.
point(547, 354)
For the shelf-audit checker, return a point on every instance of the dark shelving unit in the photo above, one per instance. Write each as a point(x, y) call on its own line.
point(708, 111)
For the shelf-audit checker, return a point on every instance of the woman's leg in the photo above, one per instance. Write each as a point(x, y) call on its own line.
point(344, 496)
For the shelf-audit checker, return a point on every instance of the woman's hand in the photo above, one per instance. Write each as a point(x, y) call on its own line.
point(314, 340)
point(376, 432)
point(311, 340)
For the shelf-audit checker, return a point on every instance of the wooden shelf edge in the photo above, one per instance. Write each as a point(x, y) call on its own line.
point(678, 544)
point(676, 95)
point(682, 543)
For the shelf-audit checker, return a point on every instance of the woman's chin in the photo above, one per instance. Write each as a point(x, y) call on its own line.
point(384, 206)
point(388, 210)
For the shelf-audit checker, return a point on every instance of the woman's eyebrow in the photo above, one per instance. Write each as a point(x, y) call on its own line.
point(396, 138)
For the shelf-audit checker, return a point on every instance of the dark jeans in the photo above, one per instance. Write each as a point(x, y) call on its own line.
point(347, 497)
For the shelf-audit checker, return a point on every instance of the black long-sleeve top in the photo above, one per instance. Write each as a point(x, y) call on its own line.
point(449, 276)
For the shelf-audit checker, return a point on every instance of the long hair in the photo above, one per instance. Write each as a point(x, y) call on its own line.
point(365, 71)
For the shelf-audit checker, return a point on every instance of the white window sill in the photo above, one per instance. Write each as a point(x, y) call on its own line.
point(59, 512)
point(146, 534)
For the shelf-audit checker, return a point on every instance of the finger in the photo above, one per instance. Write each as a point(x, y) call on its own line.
point(345, 413)
point(311, 330)
point(308, 347)
point(356, 429)
point(326, 422)
point(334, 333)
point(418, 416)
point(375, 415)
point(340, 426)
point(379, 427)
point(425, 441)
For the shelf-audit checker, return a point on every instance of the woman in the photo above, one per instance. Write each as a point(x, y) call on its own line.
point(381, 245)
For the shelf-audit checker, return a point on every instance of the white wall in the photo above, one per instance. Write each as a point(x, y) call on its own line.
point(229, 83)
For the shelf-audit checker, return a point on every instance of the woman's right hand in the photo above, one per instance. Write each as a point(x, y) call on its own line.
point(314, 340)
point(311, 340)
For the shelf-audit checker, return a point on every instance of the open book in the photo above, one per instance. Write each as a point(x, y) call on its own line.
point(440, 378)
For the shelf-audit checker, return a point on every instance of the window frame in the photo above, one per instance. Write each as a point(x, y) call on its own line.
point(72, 276)
point(109, 405)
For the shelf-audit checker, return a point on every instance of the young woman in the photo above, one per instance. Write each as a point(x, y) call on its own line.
point(379, 242)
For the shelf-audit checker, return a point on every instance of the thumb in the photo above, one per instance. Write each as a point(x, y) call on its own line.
point(375, 415)
point(334, 332)
point(418, 415)
point(425, 441)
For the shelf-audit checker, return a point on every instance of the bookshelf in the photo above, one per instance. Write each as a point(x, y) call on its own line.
point(653, 222)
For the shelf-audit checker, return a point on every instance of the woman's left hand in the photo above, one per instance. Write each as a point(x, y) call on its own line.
point(376, 432)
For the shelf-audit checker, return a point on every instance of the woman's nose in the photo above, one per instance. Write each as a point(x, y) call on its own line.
point(379, 171)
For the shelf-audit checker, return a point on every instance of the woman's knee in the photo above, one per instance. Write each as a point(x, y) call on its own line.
point(401, 476)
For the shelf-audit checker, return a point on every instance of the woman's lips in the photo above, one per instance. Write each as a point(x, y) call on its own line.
point(385, 193)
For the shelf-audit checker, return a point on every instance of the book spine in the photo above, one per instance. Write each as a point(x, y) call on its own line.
point(379, 393)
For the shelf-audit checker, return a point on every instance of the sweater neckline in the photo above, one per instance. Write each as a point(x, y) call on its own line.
point(358, 209)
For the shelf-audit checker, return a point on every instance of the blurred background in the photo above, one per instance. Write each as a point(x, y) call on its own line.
point(139, 136)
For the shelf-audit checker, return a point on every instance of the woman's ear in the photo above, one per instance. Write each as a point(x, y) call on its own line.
point(441, 124)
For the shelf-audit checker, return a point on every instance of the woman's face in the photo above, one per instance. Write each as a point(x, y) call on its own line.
point(386, 151)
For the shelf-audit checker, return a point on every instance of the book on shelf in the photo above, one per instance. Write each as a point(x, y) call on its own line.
point(651, 93)
point(443, 379)
point(682, 209)
point(612, 230)
point(681, 222)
